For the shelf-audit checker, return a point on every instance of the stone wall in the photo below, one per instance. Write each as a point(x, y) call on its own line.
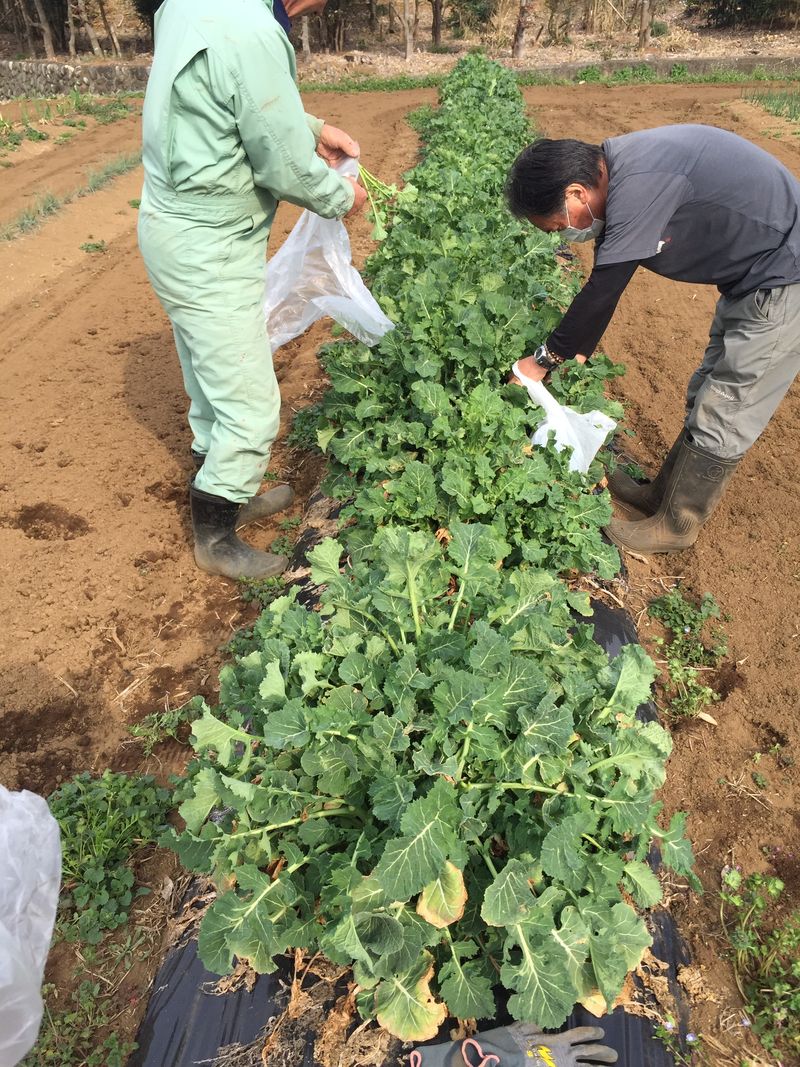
point(36, 77)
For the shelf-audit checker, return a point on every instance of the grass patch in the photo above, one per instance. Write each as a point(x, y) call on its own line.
point(636, 74)
point(49, 204)
point(785, 103)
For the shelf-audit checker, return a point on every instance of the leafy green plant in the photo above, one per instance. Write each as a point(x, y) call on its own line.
point(684, 1049)
point(406, 423)
point(438, 777)
point(305, 424)
point(136, 203)
point(94, 246)
point(766, 947)
point(160, 725)
point(103, 821)
point(688, 650)
point(77, 1034)
point(260, 590)
point(429, 774)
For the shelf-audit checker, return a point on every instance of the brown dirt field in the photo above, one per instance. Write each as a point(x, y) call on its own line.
point(107, 618)
point(748, 556)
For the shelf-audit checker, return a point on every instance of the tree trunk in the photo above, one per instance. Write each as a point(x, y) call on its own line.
point(112, 37)
point(518, 47)
point(71, 30)
point(416, 19)
point(305, 39)
point(392, 19)
point(373, 14)
point(645, 18)
point(436, 28)
point(44, 26)
point(27, 27)
point(322, 22)
point(95, 44)
point(408, 26)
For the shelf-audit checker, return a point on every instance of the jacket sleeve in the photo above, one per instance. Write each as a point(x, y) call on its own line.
point(587, 317)
point(315, 125)
point(276, 133)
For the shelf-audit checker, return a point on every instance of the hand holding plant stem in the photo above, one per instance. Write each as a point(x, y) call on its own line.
point(379, 194)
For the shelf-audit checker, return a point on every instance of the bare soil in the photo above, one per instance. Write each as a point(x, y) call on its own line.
point(107, 619)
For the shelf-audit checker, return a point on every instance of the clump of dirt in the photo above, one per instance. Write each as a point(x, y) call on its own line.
point(49, 522)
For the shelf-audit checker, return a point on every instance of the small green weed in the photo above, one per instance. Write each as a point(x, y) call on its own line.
point(659, 28)
point(305, 424)
point(102, 111)
point(689, 650)
point(260, 590)
point(159, 725)
point(103, 821)
point(633, 470)
point(766, 947)
point(32, 134)
point(683, 1049)
point(134, 203)
point(93, 246)
point(70, 1036)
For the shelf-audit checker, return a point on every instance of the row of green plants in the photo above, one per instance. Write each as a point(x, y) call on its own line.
point(438, 777)
point(633, 74)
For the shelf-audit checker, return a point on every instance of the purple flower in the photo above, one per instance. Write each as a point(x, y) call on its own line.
point(691, 1038)
point(745, 1021)
point(669, 1026)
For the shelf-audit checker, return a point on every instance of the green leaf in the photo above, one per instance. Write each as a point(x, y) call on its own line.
point(324, 560)
point(642, 884)
point(231, 745)
point(410, 862)
point(509, 899)
point(466, 988)
point(287, 728)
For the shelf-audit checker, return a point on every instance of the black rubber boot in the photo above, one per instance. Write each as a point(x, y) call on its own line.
point(217, 549)
point(644, 497)
point(694, 488)
point(258, 507)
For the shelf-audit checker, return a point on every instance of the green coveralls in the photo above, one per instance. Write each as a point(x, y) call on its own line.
point(225, 138)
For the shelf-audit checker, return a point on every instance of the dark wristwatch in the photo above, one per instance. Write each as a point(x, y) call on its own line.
point(547, 359)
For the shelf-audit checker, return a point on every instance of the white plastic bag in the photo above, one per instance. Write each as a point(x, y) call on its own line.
point(312, 275)
point(584, 434)
point(30, 877)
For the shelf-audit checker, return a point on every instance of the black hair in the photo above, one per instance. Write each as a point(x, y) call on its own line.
point(541, 173)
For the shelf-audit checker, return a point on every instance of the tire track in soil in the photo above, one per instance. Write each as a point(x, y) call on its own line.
point(748, 556)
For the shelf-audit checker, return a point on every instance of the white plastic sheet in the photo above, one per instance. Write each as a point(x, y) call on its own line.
point(585, 433)
point(30, 877)
point(312, 275)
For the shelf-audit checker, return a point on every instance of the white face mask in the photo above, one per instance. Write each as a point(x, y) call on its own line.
point(569, 233)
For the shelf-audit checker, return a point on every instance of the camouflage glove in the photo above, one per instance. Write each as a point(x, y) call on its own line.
point(519, 1045)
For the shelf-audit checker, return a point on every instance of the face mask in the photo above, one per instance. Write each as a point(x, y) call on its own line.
point(569, 233)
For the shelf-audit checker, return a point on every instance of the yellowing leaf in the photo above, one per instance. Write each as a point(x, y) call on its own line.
point(405, 1005)
point(442, 901)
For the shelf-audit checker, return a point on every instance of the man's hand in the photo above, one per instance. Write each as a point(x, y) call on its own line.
point(531, 369)
point(360, 199)
point(336, 145)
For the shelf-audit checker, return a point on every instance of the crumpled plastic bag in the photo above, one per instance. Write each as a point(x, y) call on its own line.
point(585, 433)
point(30, 878)
point(312, 275)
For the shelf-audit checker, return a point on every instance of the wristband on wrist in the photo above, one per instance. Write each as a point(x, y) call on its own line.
point(547, 359)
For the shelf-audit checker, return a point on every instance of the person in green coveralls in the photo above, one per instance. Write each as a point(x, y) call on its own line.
point(225, 137)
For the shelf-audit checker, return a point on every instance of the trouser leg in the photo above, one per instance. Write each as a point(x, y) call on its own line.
point(210, 280)
point(201, 413)
point(753, 358)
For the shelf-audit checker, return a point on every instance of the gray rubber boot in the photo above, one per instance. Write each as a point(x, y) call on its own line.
point(217, 549)
point(644, 497)
point(693, 490)
point(257, 507)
